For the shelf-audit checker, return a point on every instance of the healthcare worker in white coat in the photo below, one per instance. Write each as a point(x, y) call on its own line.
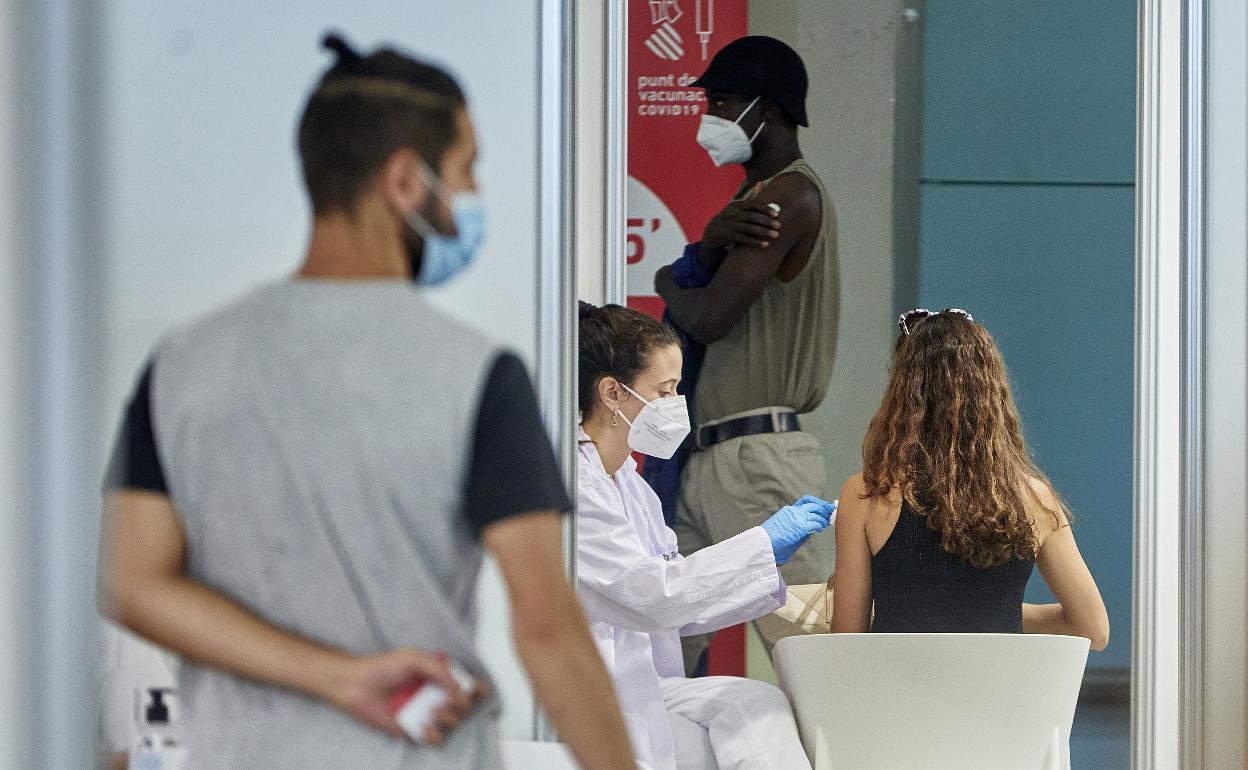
point(640, 595)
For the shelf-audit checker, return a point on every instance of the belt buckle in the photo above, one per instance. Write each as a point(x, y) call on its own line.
point(775, 421)
point(697, 439)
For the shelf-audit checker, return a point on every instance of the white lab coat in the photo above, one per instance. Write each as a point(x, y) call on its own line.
point(640, 595)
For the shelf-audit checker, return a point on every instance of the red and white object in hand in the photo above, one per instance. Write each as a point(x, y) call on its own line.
point(414, 706)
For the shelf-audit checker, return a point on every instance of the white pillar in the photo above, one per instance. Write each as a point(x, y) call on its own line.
point(1160, 201)
point(1223, 714)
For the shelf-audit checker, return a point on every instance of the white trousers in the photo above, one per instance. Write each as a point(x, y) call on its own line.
point(750, 723)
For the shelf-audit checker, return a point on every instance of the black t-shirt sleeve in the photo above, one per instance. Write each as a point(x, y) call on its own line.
point(135, 463)
point(512, 468)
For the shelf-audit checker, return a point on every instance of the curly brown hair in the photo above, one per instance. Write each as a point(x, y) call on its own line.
point(948, 436)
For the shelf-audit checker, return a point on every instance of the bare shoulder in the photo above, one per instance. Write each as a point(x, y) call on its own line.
point(854, 490)
point(857, 505)
point(1043, 494)
point(1047, 517)
point(852, 508)
point(794, 193)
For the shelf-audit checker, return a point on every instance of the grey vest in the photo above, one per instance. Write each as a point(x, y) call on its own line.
point(315, 437)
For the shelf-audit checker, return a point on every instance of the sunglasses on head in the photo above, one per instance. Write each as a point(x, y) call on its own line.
point(912, 318)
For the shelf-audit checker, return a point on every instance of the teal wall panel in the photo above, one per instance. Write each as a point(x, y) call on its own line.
point(1049, 271)
point(1029, 91)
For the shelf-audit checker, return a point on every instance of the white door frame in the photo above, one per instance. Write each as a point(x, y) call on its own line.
point(1190, 656)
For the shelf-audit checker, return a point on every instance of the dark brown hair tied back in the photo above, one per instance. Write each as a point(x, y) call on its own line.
point(366, 107)
point(615, 342)
point(346, 54)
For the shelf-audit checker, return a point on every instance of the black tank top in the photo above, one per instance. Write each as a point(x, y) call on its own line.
point(918, 587)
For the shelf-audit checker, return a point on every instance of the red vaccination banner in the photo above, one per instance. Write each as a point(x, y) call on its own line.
point(673, 188)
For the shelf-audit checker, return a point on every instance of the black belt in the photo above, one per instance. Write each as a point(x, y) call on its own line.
point(774, 422)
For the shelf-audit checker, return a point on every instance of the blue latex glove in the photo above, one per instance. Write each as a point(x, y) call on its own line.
point(789, 527)
point(829, 508)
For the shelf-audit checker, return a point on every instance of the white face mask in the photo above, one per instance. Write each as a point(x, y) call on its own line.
point(660, 426)
point(724, 140)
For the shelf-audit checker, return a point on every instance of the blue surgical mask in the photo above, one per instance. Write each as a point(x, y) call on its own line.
point(446, 256)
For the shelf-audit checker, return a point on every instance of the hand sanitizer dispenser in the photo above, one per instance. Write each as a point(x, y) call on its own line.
point(158, 744)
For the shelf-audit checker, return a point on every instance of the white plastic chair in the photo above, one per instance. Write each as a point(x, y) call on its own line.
point(933, 701)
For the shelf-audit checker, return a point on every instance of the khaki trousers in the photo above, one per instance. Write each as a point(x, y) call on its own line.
point(738, 484)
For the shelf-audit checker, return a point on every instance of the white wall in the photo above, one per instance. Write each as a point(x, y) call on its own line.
point(13, 713)
point(1225, 631)
point(204, 199)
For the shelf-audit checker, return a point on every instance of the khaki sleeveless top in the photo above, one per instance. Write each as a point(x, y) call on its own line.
point(781, 351)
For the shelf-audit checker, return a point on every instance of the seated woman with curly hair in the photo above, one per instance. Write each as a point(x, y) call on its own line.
point(941, 530)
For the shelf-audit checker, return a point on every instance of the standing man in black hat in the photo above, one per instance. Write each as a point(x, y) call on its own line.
point(766, 306)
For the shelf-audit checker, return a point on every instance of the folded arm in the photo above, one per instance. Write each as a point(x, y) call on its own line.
point(709, 314)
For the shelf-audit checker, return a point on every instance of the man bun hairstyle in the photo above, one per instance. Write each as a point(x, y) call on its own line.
point(363, 109)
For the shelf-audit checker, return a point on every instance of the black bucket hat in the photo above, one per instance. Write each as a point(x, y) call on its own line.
point(757, 65)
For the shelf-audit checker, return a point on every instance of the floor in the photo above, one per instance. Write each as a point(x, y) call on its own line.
point(1101, 738)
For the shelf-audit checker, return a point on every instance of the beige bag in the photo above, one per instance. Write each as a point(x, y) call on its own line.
point(807, 611)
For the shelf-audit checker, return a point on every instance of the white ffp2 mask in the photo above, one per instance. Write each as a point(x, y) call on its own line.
point(660, 426)
point(724, 140)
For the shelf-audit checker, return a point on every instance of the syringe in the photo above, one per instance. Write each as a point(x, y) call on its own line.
point(705, 23)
